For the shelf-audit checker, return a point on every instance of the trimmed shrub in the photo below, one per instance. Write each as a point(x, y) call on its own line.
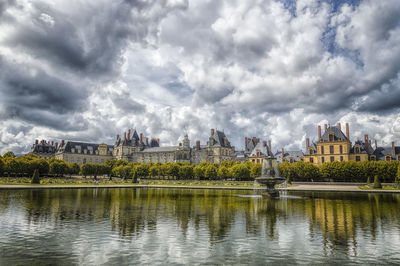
point(35, 178)
point(377, 182)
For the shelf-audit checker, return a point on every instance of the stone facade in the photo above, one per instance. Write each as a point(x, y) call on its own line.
point(82, 152)
point(334, 145)
point(136, 148)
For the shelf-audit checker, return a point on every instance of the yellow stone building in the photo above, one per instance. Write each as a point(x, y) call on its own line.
point(334, 145)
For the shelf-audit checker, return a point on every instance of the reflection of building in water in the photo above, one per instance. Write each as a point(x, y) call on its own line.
point(336, 220)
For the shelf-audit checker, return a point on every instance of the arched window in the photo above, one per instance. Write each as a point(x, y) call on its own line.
point(331, 136)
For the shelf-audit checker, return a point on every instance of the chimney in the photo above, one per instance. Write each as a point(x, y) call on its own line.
point(339, 126)
point(325, 127)
point(124, 137)
point(158, 141)
point(36, 141)
point(52, 143)
point(393, 149)
point(269, 147)
point(254, 140)
point(307, 143)
point(56, 145)
point(264, 143)
point(283, 154)
point(366, 143)
point(141, 138)
point(212, 132)
point(233, 148)
point(129, 134)
point(319, 132)
point(117, 136)
point(245, 143)
point(376, 145)
point(347, 131)
point(198, 144)
point(62, 143)
point(147, 141)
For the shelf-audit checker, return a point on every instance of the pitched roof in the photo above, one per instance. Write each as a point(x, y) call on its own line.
point(219, 139)
point(296, 155)
point(338, 135)
point(43, 148)
point(363, 147)
point(381, 153)
point(69, 145)
point(264, 151)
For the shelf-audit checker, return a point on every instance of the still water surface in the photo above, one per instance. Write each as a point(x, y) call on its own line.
point(181, 226)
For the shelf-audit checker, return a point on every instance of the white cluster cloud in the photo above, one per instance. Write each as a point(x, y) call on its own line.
point(88, 70)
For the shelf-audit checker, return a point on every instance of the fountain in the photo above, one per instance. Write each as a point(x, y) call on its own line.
point(270, 177)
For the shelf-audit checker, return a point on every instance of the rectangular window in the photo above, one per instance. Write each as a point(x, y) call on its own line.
point(341, 149)
point(332, 158)
point(311, 160)
point(358, 158)
point(322, 159)
point(341, 158)
point(322, 149)
point(331, 150)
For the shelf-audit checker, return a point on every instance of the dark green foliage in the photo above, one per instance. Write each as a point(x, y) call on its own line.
point(210, 172)
point(255, 170)
point(377, 182)
point(35, 178)
point(368, 181)
point(9, 154)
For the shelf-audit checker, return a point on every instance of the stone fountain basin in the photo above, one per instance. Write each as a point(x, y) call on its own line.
point(270, 180)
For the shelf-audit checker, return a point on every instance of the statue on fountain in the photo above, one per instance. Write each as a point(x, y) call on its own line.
point(270, 177)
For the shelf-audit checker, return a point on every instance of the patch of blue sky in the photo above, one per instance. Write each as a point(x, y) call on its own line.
point(329, 35)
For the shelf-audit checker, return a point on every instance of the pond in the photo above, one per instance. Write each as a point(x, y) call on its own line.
point(183, 226)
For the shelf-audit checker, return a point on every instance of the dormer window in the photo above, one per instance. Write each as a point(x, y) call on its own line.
point(387, 158)
point(331, 136)
point(357, 149)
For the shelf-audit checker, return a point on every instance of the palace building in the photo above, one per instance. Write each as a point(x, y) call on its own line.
point(134, 147)
point(334, 145)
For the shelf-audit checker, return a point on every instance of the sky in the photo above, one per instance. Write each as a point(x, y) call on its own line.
point(87, 70)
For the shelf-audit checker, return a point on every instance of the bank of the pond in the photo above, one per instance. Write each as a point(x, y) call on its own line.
point(299, 188)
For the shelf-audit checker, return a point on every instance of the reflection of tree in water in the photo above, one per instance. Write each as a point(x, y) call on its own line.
point(339, 217)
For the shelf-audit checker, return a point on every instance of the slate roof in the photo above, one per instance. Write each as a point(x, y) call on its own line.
point(82, 145)
point(381, 152)
point(251, 143)
point(337, 133)
point(219, 139)
point(296, 155)
point(263, 150)
point(43, 148)
point(362, 147)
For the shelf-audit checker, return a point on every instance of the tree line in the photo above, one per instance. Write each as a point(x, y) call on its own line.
point(349, 171)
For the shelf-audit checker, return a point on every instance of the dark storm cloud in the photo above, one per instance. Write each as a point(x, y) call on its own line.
point(34, 96)
point(91, 43)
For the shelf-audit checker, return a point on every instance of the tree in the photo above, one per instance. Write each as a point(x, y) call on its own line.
point(9, 154)
point(210, 172)
point(397, 180)
point(154, 170)
point(173, 170)
point(35, 178)
point(223, 172)
point(1, 167)
point(255, 170)
point(58, 167)
point(198, 171)
point(240, 171)
point(377, 182)
point(186, 172)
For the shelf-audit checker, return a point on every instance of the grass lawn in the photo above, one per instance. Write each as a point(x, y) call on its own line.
point(388, 187)
point(118, 181)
